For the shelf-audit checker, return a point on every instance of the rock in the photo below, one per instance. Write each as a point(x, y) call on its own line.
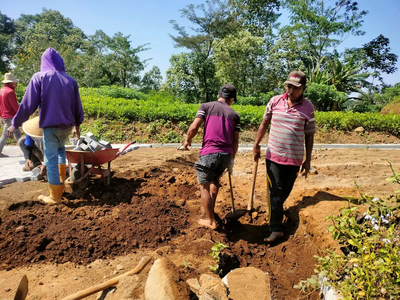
point(126, 287)
point(120, 267)
point(197, 193)
point(359, 129)
point(212, 287)
point(163, 282)
point(254, 215)
point(313, 171)
point(7, 290)
point(194, 285)
point(180, 202)
point(20, 228)
point(248, 284)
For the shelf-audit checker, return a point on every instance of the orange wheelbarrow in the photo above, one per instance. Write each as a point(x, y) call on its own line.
point(95, 160)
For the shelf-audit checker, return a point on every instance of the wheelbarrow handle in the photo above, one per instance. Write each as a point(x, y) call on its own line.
point(126, 147)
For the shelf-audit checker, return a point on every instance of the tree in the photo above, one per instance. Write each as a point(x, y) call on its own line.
point(192, 77)
point(36, 33)
point(215, 21)
point(257, 16)
point(321, 27)
point(7, 30)
point(151, 80)
point(240, 60)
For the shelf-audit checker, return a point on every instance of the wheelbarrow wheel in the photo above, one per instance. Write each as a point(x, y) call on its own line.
point(81, 185)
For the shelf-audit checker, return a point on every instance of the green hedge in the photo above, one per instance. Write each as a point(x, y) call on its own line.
point(163, 106)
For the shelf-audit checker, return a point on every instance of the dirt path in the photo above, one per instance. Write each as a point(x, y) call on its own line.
point(152, 206)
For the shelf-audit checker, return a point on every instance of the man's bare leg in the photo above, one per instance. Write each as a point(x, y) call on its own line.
point(208, 192)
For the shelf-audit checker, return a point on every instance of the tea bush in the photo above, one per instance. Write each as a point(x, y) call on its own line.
point(163, 106)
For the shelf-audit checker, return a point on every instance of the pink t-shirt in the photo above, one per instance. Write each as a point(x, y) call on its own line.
point(220, 123)
point(289, 125)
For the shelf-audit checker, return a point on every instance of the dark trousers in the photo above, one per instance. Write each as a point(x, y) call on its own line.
point(282, 179)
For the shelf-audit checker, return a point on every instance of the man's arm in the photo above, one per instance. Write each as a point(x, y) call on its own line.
point(192, 131)
point(309, 142)
point(262, 129)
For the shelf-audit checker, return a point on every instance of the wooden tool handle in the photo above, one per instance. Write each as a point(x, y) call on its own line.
point(230, 186)
point(109, 283)
point(253, 186)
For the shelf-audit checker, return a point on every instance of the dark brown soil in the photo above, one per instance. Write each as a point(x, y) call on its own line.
point(153, 203)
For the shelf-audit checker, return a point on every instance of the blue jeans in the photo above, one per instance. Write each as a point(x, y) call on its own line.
point(54, 151)
point(282, 179)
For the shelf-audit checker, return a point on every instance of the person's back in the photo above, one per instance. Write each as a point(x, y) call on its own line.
point(54, 92)
point(220, 122)
point(60, 109)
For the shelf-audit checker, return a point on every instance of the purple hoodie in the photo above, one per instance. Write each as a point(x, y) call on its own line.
point(54, 92)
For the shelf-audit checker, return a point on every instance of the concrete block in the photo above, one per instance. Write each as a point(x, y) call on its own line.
point(22, 179)
point(96, 146)
point(36, 177)
point(105, 144)
point(91, 136)
point(8, 180)
point(85, 147)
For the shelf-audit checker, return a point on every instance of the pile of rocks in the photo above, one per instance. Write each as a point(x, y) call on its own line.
point(163, 282)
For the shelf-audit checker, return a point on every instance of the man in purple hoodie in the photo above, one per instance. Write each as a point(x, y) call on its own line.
point(56, 94)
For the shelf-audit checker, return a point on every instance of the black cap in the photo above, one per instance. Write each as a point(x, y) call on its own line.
point(227, 91)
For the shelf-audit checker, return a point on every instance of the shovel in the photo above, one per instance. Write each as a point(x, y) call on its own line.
point(22, 290)
point(253, 186)
point(234, 214)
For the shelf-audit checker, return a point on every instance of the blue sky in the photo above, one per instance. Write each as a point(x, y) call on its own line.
point(147, 21)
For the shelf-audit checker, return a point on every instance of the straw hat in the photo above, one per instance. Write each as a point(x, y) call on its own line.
point(9, 77)
point(31, 128)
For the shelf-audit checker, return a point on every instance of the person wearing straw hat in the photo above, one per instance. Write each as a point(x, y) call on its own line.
point(8, 108)
point(32, 144)
point(292, 126)
point(56, 94)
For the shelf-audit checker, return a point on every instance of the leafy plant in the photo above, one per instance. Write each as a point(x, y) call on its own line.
point(216, 255)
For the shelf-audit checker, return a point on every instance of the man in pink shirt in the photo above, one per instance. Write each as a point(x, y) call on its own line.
point(8, 107)
point(292, 125)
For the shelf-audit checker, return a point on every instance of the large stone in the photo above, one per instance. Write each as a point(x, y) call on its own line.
point(212, 287)
point(194, 285)
point(359, 129)
point(128, 287)
point(248, 284)
point(163, 282)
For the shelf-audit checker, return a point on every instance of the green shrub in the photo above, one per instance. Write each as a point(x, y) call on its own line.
point(325, 97)
point(114, 92)
point(162, 107)
point(260, 100)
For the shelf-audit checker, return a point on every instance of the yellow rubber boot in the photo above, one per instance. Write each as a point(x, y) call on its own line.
point(62, 169)
point(56, 192)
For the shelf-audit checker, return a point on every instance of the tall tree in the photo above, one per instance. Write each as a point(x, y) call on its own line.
point(322, 26)
point(257, 16)
point(36, 33)
point(151, 80)
point(212, 21)
point(192, 77)
point(240, 60)
point(7, 30)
